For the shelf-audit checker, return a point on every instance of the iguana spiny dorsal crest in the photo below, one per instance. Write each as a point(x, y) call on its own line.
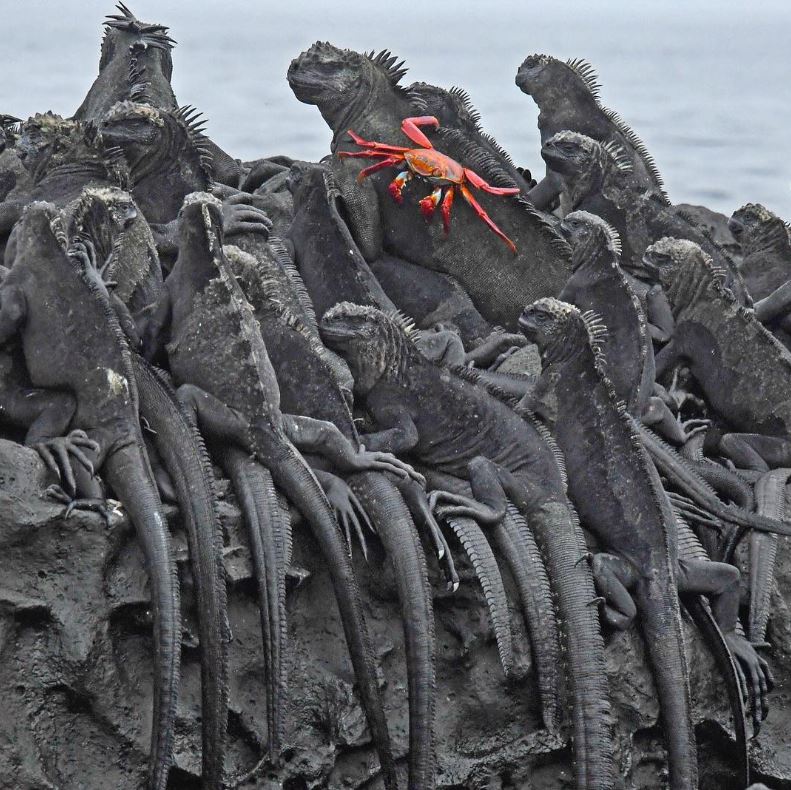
point(544, 76)
point(562, 330)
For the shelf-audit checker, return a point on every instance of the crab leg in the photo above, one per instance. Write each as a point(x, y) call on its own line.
point(478, 209)
point(378, 166)
point(446, 204)
point(409, 126)
point(479, 183)
point(429, 203)
point(381, 146)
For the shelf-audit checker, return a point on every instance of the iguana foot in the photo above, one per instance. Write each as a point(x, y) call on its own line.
point(758, 673)
point(377, 461)
point(464, 507)
point(105, 507)
point(55, 454)
point(349, 511)
point(239, 215)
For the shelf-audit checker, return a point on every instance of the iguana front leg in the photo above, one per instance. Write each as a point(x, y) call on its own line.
point(325, 438)
point(398, 432)
point(614, 576)
point(756, 451)
point(720, 582)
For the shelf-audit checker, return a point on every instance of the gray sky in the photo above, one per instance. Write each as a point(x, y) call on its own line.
point(706, 84)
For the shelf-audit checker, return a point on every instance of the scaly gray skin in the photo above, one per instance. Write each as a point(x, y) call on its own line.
point(308, 381)
point(219, 359)
point(136, 65)
point(567, 95)
point(595, 178)
point(478, 437)
point(359, 92)
point(168, 157)
point(634, 524)
point(122, 247)
point(38, 298)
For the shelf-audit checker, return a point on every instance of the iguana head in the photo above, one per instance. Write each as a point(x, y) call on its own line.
point(374, 344)
point(558, 328)
point(453, 107)
point(682, 268)
point(575, 155)
point(544, 78)
point(40, 136)
point(333, 79)
point(41, 233)
point(755, 227)
point(588, 234)
point(152, 139)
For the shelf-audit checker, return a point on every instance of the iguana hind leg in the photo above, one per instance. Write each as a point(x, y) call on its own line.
point(755, 451)
point(613, 577)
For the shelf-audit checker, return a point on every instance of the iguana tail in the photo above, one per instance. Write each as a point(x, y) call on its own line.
point(682, 476)
point(517, 546)
point(689, 547)
point(396, 529)
point(562, 544)
point(657, 603)
point(181, 448)
point(255, 491)
point(297, 481)
point(129, 474)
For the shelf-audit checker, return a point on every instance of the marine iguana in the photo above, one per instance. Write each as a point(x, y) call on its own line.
point(38, 298)
point(136, 64)
point(567, 95)
point(361, 92)
point(595, 174)
point(169, 156)
point(478, 437)
point(309, 386)
point(120, 247)
point(632, 522)
point(766, 249)
point(220, 362)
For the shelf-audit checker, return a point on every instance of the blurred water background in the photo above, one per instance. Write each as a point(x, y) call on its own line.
point(706, 84)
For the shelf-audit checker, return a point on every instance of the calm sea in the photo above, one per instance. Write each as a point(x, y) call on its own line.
point(706, 84)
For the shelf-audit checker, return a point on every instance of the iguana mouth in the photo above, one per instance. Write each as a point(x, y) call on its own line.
point(555, 159)
point(333, 334)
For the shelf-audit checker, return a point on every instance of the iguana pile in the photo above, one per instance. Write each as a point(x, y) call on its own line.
point(362, 93)
point(567, 95)
point(456, 427)
point(595, 179)
point(633, 523)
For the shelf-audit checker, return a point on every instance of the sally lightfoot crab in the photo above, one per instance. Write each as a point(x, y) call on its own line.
point(442, 171)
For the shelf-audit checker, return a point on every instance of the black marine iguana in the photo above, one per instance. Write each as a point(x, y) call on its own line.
point(119, 246)
point(567, 95)
point(136, 65)
point(620, 499)
point(474, 436)
point(308, 382)
point(595, 175)
point(233, 391)
point(38, 298)
point(360, 92)
point(168, 157)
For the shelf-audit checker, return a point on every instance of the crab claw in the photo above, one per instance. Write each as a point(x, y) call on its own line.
point(429, 203)
point(397, 185)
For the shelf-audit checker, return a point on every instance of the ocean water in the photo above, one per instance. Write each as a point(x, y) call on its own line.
point(706, 84)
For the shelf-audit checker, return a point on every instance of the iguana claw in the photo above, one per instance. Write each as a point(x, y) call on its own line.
point(101, 506)
point(55, 455)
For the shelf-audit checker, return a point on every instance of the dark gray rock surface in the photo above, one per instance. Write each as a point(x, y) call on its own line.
point(75, 670)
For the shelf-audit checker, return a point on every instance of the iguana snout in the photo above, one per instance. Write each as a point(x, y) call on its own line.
point(530, 72)
point(321, 71)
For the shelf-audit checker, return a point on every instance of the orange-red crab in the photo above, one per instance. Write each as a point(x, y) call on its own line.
point(436, 167)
